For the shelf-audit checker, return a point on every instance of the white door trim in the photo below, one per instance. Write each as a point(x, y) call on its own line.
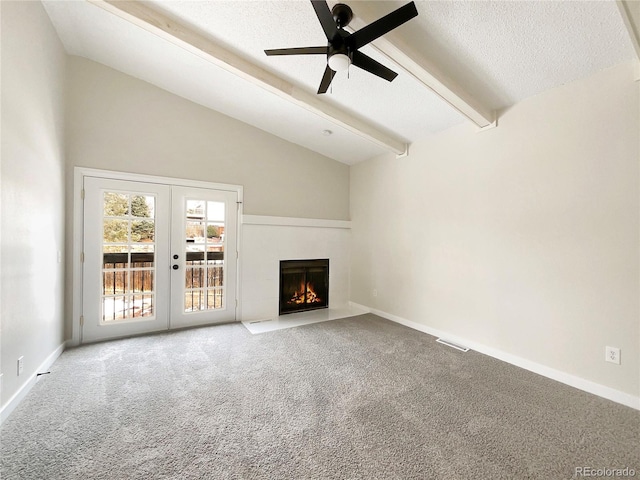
point(79, 173)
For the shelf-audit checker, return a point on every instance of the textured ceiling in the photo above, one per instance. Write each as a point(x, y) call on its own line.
point(498, 52)
point(504, 51)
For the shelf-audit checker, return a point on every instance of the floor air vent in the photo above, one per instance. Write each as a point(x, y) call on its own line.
point(452, 345)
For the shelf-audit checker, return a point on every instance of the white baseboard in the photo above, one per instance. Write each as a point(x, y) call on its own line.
point(558, 375)
point(15, 400)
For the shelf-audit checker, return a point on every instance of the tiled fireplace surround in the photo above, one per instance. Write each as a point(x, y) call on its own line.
point(267, 240)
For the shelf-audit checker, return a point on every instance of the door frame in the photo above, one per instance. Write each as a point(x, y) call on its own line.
point(79, 174)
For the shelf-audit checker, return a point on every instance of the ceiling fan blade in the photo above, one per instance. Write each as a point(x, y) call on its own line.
point(367, 63)
point(383, 25)
point(326, 80)
point(297, 51)
point(326, 18)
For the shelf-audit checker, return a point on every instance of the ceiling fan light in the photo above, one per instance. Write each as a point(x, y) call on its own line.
point(339, 62)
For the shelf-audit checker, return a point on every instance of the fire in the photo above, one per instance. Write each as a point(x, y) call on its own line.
point(311, 296)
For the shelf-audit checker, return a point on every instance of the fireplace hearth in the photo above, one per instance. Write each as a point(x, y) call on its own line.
point(304, 285)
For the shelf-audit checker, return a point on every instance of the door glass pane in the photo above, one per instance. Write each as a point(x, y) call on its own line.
point(115, 257)
point(115, 282)
point(194, 277)
point(194, 300)
point(204, 250)
point(115, 248)
point(195, 232)
point(128, 256)
point(115, 204)
point(115, 231)
point(138, 252)
point(214, 298)
point(142, 281)
point(215, 276)
point(142, 231)
point(215, 211)
point(195, 209)
point(143, 206)
point(142, 306)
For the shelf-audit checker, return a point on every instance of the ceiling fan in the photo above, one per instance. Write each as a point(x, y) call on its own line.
point(342, 49)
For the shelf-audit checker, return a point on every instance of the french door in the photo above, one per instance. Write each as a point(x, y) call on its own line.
point(156, 257)
point(203, 256)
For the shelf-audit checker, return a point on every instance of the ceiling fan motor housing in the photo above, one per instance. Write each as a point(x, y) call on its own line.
point(342, 14)
point(339, 43)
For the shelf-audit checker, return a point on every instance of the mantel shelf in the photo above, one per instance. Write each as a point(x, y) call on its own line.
point(294, 222)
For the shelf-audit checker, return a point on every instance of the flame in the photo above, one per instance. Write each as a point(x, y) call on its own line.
point(299, 296)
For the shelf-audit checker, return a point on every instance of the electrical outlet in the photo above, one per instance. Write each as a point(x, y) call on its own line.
point(20, 365)
point(375, 292)
point(612, 354)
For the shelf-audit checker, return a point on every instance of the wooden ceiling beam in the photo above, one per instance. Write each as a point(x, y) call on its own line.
point(139, 14)
point(431, 77)
point(630, 12)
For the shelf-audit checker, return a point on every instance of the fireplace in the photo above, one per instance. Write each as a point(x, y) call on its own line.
point(304, 285)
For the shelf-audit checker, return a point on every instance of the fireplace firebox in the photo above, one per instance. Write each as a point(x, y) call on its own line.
point(304, 285)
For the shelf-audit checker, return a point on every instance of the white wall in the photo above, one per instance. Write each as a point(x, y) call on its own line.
point(523, 238)
point(263, 246)
point(32, 179)
point(117, 122)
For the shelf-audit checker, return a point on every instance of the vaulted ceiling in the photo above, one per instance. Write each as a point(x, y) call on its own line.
point(458, 61)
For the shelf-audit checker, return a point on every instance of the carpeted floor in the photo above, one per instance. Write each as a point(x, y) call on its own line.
point(358, 398)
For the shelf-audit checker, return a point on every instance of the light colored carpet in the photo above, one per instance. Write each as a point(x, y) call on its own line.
point(359, 398)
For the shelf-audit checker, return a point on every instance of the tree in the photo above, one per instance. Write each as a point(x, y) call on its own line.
point(115, 231)
point(124, 205)
point(213, 231)
point(115, 204)
point(139, 207)
point(141, 230)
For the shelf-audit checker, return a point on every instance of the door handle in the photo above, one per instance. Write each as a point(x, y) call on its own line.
point(175, 267)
